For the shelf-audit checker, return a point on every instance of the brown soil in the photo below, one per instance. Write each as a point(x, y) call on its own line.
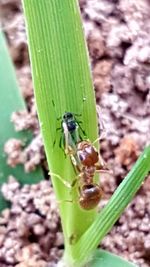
point(118, 36)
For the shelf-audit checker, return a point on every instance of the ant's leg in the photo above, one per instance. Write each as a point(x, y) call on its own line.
point(98, 170)
point(77, 179)
point(101, 123)
point(76, 163)
point(65, 200)
point(96, 140)
point(101, 160)
point(73, 160)
point(67, 184)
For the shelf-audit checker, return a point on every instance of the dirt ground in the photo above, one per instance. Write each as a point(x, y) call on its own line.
point(118, 37)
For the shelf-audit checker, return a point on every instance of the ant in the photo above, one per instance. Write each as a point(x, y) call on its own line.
point(87, 162)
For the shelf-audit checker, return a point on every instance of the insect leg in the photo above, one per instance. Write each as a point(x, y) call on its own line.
point(100, 170)
point(67, 184)
point(84, 133)
point(77, 115)
point(57, 129)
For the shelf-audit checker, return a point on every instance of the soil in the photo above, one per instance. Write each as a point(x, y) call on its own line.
point(118, 37)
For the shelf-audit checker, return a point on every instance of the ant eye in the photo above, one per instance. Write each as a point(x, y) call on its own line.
point(82, 156)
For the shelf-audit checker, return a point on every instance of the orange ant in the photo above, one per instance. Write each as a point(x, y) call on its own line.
point(87, 162)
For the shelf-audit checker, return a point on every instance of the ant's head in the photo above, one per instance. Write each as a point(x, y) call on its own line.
point(87, 153)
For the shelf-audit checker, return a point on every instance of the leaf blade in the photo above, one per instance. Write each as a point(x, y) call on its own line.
point(103, 258)
point(11, 100)
point(61, 74)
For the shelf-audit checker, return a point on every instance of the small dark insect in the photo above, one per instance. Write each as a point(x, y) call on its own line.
point(70, 121)
point(71, 131)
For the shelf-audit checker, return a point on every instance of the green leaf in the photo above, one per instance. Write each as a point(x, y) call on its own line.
point(61, 73)
point(104, 258)
point(11, 100)
point(116, 205)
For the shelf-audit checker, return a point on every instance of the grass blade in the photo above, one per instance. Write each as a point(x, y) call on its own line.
point(11, 100)
point(61, 74)
point(103, 258)
point(116, 205)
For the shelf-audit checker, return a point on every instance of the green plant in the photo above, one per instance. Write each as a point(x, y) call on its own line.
point(61, 75)
point(11, 100)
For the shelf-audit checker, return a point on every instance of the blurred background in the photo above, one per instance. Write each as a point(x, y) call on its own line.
point(118, 39)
